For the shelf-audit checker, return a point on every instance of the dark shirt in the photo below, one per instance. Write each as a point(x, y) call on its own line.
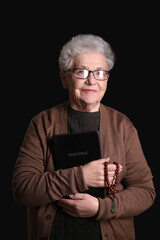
point(66, 227)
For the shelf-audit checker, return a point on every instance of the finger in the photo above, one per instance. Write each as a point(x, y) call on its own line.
point(110, 179)
point(103, 160)
point(65, 202)
point(120, 168)
point(111, 173)
point(111, 167)
point(77, 196)
point(107, 159)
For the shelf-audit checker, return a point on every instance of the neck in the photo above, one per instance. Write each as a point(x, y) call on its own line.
point(85, 107)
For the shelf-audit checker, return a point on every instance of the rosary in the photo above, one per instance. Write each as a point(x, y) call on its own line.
point(111, 187)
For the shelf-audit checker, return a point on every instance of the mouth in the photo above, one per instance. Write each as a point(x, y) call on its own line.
point(89, 90)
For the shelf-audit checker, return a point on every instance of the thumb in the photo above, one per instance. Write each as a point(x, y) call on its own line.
point(76, 196)
point(107, 159)
point(103, 160)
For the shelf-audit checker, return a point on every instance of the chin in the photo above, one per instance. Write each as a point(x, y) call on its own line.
point(91, 105)
point(90, 99)
point(91, 102)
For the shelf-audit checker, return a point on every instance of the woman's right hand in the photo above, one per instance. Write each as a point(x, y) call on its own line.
point(94, 172)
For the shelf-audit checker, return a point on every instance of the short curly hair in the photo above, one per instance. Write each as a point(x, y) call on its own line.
point(82, 43)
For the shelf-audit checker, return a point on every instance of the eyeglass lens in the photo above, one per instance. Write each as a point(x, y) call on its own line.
point(84, 73)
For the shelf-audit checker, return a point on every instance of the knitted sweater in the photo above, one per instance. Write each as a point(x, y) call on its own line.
point(37, 186)
point(66, 227)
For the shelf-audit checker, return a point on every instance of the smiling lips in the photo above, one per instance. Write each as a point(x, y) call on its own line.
point(89, 90)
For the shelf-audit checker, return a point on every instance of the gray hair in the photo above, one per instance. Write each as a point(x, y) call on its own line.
point(83, 43)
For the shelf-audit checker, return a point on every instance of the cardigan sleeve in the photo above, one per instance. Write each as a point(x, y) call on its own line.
point(138, 192)
point(32, 184)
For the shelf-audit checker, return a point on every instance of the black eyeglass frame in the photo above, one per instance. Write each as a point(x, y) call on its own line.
point(89, 71)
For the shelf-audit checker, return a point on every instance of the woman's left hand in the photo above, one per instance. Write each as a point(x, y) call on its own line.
point(80, 205)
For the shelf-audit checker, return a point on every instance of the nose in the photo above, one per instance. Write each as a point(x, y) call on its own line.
point(91, 79)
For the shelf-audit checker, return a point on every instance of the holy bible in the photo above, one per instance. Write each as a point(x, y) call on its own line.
point(75, 149)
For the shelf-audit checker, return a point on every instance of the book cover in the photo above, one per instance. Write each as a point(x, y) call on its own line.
point(77, 149)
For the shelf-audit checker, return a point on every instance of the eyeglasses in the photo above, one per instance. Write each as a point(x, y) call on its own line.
point(81, 73)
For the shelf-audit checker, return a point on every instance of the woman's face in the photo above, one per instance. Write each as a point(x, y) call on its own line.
point(85, 94)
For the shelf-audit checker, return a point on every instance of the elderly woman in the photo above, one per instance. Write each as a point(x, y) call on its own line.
point(85, 62)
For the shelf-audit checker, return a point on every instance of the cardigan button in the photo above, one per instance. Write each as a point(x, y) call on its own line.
point(48, 217)
point(106, 235)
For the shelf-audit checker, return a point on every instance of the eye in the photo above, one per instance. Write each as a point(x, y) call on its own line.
point(99, 73)
point(80, 71)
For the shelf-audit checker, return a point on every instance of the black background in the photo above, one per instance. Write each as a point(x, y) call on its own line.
point(33, 37)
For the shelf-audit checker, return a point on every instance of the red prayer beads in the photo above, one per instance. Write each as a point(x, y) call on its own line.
point(111, 187)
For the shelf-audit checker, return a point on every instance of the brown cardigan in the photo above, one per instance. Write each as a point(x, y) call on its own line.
point(37, 186)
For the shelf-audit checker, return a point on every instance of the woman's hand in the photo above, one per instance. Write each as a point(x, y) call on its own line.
point(80, 205)
point(85, 205)
point(94, 172)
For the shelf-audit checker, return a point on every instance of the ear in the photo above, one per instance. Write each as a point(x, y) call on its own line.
point(63, 79)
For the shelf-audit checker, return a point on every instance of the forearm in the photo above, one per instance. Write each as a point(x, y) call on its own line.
point(32, 189)
point(35, 184)
point(130, 202)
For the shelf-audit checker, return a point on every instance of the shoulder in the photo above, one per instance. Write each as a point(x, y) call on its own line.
point(117, 121)
point(51, 113)
point(118, 126)
point(115, 115)
point(48, 118)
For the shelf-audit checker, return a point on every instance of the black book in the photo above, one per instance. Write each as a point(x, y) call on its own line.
point(77, 149)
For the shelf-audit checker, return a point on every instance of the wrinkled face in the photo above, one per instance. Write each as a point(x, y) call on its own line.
point(85, 94)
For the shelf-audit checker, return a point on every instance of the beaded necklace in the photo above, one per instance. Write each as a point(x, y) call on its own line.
point(111, 187)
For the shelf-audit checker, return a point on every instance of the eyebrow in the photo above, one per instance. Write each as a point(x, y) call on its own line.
point(84, 67)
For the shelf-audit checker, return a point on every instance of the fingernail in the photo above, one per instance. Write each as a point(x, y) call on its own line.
point(108, 159)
